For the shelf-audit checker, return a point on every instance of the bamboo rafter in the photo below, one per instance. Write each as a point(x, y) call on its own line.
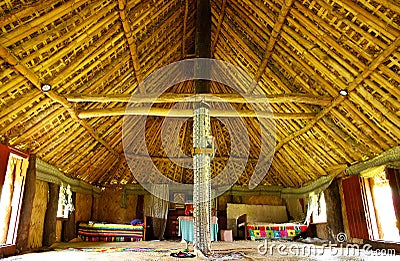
point(250, 59)
point(33, 26)
point(220, 20)
point(321, 48)
point(34, 79)
point(185, 17)
point(372, 20)
point(370, 69)
point(305, 156)
point(327, 72)
point(271, 43)
point(326, 86)
point(131, 43)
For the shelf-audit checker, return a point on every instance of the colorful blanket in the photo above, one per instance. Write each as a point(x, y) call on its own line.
point(96, 232)
point(116, 249)
point(275, 231)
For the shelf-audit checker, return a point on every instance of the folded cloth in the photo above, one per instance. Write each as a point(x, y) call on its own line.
point(136, 221)
point(182, 254)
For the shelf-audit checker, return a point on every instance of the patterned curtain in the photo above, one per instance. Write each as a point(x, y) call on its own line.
point(157, 208)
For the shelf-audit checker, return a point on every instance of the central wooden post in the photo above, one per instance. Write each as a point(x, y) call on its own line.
point(202, 179)
point(202, 137)
point(203, 42)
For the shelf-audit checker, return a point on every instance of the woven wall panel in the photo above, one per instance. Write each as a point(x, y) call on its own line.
point(110, 207)
point(255, 213)
point(83, 207)
point(262, 200)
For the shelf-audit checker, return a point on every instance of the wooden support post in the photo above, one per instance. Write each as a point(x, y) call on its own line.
point(27, 205)
point(140, 206)
point(203, 40)
point(69, 226)
point(93, 210)
point(333, 211)
point(201, 129)
point(50, 220)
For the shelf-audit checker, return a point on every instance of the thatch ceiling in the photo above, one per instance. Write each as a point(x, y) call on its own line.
point(301, 53)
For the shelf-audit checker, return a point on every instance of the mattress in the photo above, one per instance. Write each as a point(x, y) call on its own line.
point(109, 232)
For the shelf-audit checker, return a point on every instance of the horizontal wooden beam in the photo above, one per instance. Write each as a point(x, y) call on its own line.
point(190, 97)
point(188, 159)
point(314, 187)
point(162, 112)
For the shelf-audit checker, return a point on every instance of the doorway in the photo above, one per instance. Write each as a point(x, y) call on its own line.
point(384, 208)
point(11, 197)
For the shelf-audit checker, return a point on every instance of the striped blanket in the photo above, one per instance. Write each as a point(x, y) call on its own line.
point(108, 232)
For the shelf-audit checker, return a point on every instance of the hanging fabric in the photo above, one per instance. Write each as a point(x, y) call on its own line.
point(159, 209)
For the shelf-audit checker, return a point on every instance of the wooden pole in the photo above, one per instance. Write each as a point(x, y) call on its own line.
point(203, 41)
point(162, 112)
point(131, 43)
point(271, 43)
point(27, 205)
point(185, 17)
point(201, 129)
point(333, 213)
point(190, 97)
point(220, 20)
point(50, 220)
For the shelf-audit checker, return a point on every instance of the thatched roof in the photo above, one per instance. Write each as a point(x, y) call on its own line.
point(95, 53)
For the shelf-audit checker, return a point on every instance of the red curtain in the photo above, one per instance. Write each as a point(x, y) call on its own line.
point(356, 214)
point(4, 154)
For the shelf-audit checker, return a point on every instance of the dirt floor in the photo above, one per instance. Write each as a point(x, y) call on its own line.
point(237, 250)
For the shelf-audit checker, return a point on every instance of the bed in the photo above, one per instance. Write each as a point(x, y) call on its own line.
point(260, 230)
point(109, 232)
